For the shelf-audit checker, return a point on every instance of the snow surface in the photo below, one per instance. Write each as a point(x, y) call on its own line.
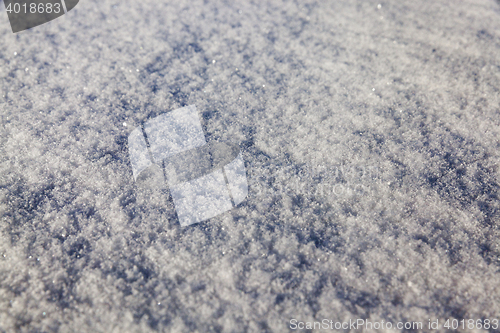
point(369, 131)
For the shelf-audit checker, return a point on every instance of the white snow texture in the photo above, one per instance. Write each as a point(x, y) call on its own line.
point(370, 133)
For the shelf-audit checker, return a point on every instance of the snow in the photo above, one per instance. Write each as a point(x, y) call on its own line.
point(369, 132)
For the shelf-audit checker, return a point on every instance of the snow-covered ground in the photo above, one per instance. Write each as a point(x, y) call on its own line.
point(370, 132)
